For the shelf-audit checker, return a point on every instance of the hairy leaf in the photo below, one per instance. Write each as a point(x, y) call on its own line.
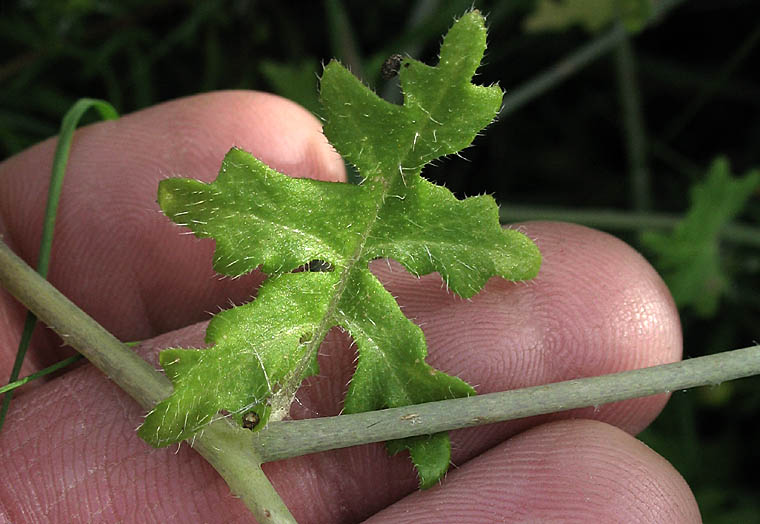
point(260, 352)
point(689, 257)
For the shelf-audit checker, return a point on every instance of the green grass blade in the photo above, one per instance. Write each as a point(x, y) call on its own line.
point(48, 370)
point(41, 373)
point(61, 158)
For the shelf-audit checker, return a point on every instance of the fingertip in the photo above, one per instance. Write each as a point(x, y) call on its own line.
point(611, 309)
point(202, 128)
point(571, 471)
point(615, 283)
point(276, 130)
point(111, 238)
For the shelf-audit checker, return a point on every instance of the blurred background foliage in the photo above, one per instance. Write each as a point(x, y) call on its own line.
point(613, 115)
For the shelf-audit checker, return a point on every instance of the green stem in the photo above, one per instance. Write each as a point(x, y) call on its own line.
point(621, 220)
point(633, 119)
point(219, 443)
point(60, 159)
point(571, 64)
point(80, 331)
point(286, 439)
point(342, 39)
point(560, 71)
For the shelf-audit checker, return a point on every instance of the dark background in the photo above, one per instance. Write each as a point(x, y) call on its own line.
point(695, 70)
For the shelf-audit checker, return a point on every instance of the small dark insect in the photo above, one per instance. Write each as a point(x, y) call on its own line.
point(250, 420)
point(318, 265)
point(391, 66)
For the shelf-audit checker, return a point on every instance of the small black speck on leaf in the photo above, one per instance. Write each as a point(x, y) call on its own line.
point(391, 66)
point(250, 420)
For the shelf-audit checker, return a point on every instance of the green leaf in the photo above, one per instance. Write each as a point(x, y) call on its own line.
point(592, 15)
point(689, 257)
point(261, 352)
point(425, 452)
point(441, 115)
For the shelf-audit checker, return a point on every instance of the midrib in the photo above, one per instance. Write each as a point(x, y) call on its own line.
point(283, 398)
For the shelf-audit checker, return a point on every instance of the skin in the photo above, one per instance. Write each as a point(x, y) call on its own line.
point(69, 450)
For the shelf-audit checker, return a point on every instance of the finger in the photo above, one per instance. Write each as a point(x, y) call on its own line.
point(571, 471)
point(513, 337)
point(115, 254)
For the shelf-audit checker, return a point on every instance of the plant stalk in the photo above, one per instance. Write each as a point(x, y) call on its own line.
point(286, 439)
point(571, 64)
point(620, 220)
point(633, 118)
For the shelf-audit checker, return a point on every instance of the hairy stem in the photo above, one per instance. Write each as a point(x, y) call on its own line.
point(298, 437)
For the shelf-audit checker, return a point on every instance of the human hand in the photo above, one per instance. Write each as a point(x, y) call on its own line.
point(69, 449)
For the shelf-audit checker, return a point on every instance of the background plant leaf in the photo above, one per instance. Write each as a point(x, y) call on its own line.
point(260, 218)
point(689, 257)
point(298, 82)
point(592, 15)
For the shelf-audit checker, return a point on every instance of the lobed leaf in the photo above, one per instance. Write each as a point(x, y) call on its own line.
point(259, 218)
point(441, 115)
point(256, 346)
point(689, 257)
point(262, 218)
point(423, 226)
